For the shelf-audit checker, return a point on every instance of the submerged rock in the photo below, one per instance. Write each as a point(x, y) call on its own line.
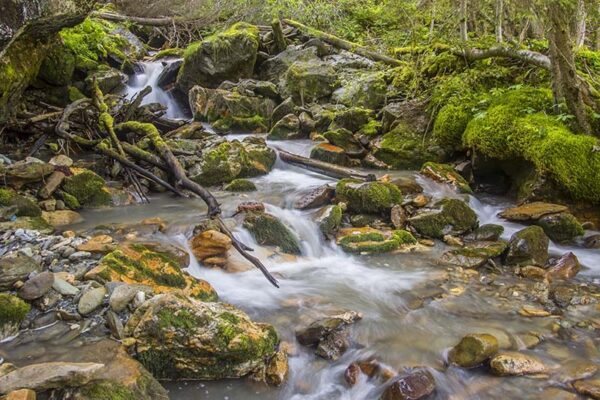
point(240, 185)
point(368, 197)
point(454, 218)
point(515, 363)
point(318, 330)
point(179, 338)
point(268, 230)
point(473, 350)
point(528, 246)
point(330, 220)
point(590, 388)
point(413, 385)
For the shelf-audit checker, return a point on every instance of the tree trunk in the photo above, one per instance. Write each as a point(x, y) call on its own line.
point(278, 36)
point(581, 24)
point(464, 29)
point(499, 19)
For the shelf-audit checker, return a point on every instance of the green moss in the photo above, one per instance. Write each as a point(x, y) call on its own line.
point(563, 227)
point(368, 197)
point(455, 217)
point(330, 154)
point(58, 67)
point(178, 319)
point(404, 237)
point(172, 52)
point(268, 230)
point(403, 149)
point(344, 139)
point(88, 188)
point(12, 309)
point(107, 390)
point(308, 81)
point(447, 174)
point(70, 200)
point(75, 94)
point(450, 125)
point(33, 223)
point(482, 250)
point(24, 207)
point(255, 123)
point(240, 185)
point(331, 220)
point(371, 128)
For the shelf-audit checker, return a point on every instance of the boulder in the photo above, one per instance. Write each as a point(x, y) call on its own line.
point(316, 198)
point(445, 173)
point(345, 139)
point(26, 171)
point(286, 128)
point(308, 81)
point(285, 108)
point(318, 330)
point(403, 148)
point(364, 90)
point(413, 385)
point(528, 246)
point(565, 268)
point(351, 118)
point(487, 232)
point(162, 270)
point(12, 312)
point(87, 187)
point(168, 75)
point(330, 220)
point(473, 350)
point(21, 206)
point(368, 197)
point(562, 227)
point(333, 346)
point(275, 67)
point(475, 254)
point(179, 338)
point(37, 286)
point(109, 80)
point(227, 55)
point(16, 267)
point(240, 185)
point(514, 363)
point(330, 153)
point(210, 243)
point(532, 211)
point(268, 230)
point(51, 375)
point(454, 218)
point(369, 240)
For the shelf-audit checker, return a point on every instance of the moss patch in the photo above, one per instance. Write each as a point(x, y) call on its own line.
point(240, 185)
point(12, 309)
point(268, 230)
point(455, 217)
point(87, 188)
point(23, 206)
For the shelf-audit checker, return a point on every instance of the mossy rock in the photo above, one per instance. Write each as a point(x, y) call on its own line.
point(240, 185)
point(450, 124)
point(365, 240)
point(12, 313)
point(371, 129)
point(473, 350)
point(87, 187)
point(368, 197)
point(286, 128)
point(367, 90)
point(329, 153)
point(309, 81)
point(454, 218)
point(330, 220)
point(475, 255)
point(31, 223)
point(345, 139)
point(487, 232)
point(255, 123)
point(23, 206)
point(138, 263)
point(179, 338)
point(268, 230)
point(528, 246)
point(445, 173)
point(351, 119)
point(561, 228)
point(58, 67)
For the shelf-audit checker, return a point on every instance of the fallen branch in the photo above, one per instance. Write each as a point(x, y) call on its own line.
point(528, 56)
point(325, 168)
point(164, 21)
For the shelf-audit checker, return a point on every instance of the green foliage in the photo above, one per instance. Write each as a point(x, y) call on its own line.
point(12, 309)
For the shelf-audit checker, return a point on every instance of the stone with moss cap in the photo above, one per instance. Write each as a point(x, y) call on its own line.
point(450, 124)
point(345, 139)
point(365, 90)
point(12, 313)
point(330, 220)
point(59, 65)
point(240, 185)
point(226, 55)
point(473, 350)
point(330, 153)
point(308, 81)
point(528, 246)
point(474, 255)
point(268, 230)
point(445, 173)
point(368, 197)
point(87, 187)
point(563, 227)
point(455, 217)
point(160, 269)
point(23, 206)
point(286, 128)
point(370, 240)
point(179, 338)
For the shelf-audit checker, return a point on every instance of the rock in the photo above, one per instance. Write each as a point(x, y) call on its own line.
point(250, 206)
point(99, 244)
point(308, 81)
point(114, 324)
point(168, 75)
point(575, 369)
point(475, 254)
point(369, 240)
point(27, 223)
point(420, 201)
point(333, 346)
point(90, 300)
point(454, 218)
point(21, 394)
point(285, 108)
point(352, 374)
point(344, 138)
point(365, 90)
point(150, 265)
point(12, 312)
point(515, 363)
point(318, 330)
point(398, 216)
point(330, 220)
point(473, 350)
point(561, 228)
point(317, 197)
point(37, 286)
point(26, 171)
point(403, 148)
point(368, 197)
point(179, 338)
point(307, 124)
point(487, 232)
point(445, 173)
point(64, 288)
point(61, 160)
point(592, 242)
point(565, 268)
point(330, 154)
point(227, 55)
point(556, 394)
point(210, 243)
point(274, 68)
point(528, 246)
point(61, 217)
point(87, 188)
point(123, 294)
point(15, 267)
point(268, 230)
point(286, 128)
point(21, 206)
point(408, 185)
point(532, 211)
point(109, 80)
point(51, 375)
point(590, 388)
point(240, 185)
point(417, 384)
point(277, 369)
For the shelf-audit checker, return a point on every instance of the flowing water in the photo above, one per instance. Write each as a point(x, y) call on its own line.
point(414, 308)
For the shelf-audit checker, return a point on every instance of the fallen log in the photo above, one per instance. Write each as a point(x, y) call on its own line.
point(325, 168)
point(344, 44)
point(158, 22)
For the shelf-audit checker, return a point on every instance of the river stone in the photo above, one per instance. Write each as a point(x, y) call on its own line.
point(12, 312)
point(408, 185)
point(123, 294)
point(528, 246)
point(487, 232)
point(168, 75)
point(277, 369)
point(37, 286)
point(454, 218)
point(592, 242)
point(315, 198)
point(515, 363)
point(63, 287)
point(475, 254)
point(333, 346)
point(562, 227)
point(330, 220)
point(269, 230)
point(368, 197)
point(330, 153)
point(576, 369)
point(473, 350)
point(91, 300)
point(26, 171)
point(15, 267)
point(46, 376)
point(210, 243)
point(414, 385)
point(286, 128)
point(590, 388)
point(318, 330)
point(445, 173)
point(532, 211)
point(179, 338)
point(565, 268)
point(62, 217)
point(114, 324)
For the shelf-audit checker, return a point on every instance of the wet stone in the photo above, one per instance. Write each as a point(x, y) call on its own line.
point(333, 346)
point(412, 386)
point(473, 350)
point(37, 286)
point(515, 363)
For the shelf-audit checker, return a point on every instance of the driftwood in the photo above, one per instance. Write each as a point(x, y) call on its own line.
point(344, 44)
point(325, 168)
point(158, 22)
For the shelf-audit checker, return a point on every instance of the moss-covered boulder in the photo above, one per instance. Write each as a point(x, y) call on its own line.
point(58, 66)
point(532, 212)
point(269, 230)
point(365, 90)
point(454, 217)
point(528, 246)
point(329, 153)
point(308, 81)
point(563, 227)
point(227, 55)
point(330, 220)
point(487, 232)
point(29, 170)
point(444, 173)
point(156, 267)
point(473, 350)
point(351, 119)
point(403, 148)
point(368, 240)
point(87, 187)
point(240, 185)
point(474, 255)
point(223, 161)
point(30, 223)
point(345, 139)
point(109, 80)
point(450, 124)
point(21, 206)
point(12, 313)
point(179, 338)
point(286, 128)
point(368, 197)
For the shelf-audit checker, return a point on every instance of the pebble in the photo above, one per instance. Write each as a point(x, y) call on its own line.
point(80, 255)
point(64, 287)
point(37, 286)
point(91, 300)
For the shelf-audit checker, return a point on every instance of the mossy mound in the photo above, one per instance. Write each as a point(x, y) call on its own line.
point(330, 220)
point(528, 246)
point(345, 139)
point(308, 81)
point(368, 197)
point(240, 185)
point(23, 206)
point(563, 227)
point(446, 174)
point(58, 66)
point(366, 240)
point(137, 263)
point(450, 124)
point(177, 338)
point(366, 90)
point(473, 350)
point(88, 188)
point(454, 218)
point(12, 313)
point(268, 230)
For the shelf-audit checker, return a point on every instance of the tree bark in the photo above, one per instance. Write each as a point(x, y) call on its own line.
point(581, 24)
point(499, 20)
point(464, 27)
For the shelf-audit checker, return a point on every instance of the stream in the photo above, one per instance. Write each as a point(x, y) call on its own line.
point(414, 309)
